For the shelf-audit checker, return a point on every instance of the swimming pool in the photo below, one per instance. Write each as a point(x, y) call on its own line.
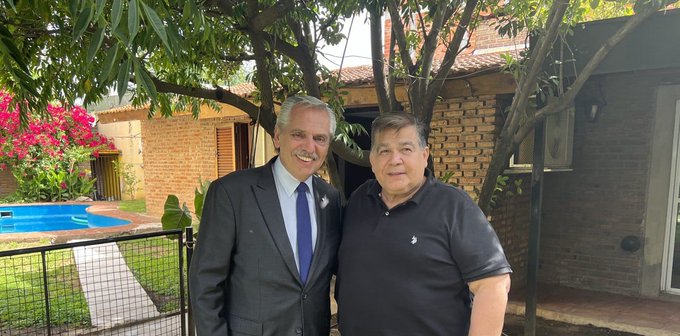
point(40, 218)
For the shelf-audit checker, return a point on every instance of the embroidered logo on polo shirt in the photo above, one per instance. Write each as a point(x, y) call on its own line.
point(414, 239)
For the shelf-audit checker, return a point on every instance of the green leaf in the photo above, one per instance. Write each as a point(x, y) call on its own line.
point(81, 24)
point(123, 78)
point(199, 197)
point(7, 44)
point(11, 4)
point(143, 79)
point(157, 24)
point(133, 20)
point(110, 58)
point(174, 216)
point(73, 7)
point(96, 42)
point(99, 9)
point(116, 14)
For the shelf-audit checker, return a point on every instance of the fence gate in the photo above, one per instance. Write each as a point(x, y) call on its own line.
point(134, 285)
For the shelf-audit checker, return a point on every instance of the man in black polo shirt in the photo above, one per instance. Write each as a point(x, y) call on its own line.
point(417, 256)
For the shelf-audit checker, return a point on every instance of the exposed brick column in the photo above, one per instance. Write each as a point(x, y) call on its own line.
point(8, 184)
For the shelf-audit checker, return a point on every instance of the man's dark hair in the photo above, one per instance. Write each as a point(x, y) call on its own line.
point(396, 121)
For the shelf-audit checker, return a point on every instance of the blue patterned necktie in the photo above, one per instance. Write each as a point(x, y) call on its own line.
point(304, 232)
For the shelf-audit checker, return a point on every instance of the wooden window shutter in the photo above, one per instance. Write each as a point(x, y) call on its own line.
point(225, 151)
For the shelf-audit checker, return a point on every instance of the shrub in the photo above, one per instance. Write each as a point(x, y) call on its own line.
point(45, 155)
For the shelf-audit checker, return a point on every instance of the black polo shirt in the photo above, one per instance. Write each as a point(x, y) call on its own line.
point(405, 271)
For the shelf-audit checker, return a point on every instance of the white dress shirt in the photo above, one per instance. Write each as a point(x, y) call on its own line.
point(285, 187)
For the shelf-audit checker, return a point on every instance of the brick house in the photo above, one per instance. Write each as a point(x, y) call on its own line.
point(610, 224)
point(180, 151)
point(619, 188)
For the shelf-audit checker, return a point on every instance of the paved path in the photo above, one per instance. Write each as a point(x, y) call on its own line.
point(113, 294)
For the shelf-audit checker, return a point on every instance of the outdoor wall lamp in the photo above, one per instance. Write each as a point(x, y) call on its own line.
point(592, 103)
point(591, 108)
point(591, 112)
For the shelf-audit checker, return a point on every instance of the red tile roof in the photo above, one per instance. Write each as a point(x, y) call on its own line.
point(465, 65)
point(363, 74)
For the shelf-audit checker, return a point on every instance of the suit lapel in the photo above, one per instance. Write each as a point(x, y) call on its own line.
point(321, 203)
point(270, 207)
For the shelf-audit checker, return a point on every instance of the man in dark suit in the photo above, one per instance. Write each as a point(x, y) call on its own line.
point(268, 239)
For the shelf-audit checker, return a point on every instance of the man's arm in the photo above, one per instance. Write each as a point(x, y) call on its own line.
point(211, 262)
point(488, 307)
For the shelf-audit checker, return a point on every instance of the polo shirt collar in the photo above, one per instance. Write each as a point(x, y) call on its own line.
point(286, 180)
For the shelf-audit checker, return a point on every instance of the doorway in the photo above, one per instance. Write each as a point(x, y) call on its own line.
point(671, 276)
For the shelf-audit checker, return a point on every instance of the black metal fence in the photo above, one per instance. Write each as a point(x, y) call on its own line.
point(133, 285)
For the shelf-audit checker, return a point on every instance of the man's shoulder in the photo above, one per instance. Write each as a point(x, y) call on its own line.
point(364, 189)
point(449, 192)
point(242, 176)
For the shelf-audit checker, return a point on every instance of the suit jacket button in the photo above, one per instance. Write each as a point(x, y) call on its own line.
point(298, 330)
point(304, 296)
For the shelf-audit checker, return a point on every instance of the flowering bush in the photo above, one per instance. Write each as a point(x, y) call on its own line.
point(46, 155)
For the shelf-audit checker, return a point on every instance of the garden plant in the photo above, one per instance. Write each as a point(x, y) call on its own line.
point(48, 156)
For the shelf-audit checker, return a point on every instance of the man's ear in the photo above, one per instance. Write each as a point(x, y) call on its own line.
point(277, 133)
point(426, 152)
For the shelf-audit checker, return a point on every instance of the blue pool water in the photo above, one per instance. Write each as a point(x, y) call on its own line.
point(39, 218)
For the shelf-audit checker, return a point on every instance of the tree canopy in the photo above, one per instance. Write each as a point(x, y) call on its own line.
point(179, 54)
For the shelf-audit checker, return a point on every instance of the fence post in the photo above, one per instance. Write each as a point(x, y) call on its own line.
point(190, 251)
point(47, 294)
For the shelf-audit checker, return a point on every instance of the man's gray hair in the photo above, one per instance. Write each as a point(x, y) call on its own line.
point(396, 121)
point(303, 101)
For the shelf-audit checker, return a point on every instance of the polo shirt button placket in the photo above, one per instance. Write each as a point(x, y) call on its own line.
point(387, 213)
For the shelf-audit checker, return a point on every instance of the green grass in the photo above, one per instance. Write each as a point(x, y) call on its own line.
point(21, 289)
point(138, 205)
point(154, 263)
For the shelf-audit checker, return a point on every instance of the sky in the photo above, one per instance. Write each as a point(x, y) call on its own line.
point(358, 45)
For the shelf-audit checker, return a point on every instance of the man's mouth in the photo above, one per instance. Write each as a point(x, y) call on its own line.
point(305, 158)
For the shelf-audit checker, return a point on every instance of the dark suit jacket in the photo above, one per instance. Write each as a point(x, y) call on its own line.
point(243, 279)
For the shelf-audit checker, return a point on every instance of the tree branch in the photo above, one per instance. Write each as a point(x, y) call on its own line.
point(226, 7)
point(348, 155)
point(218, 94)
point(238, 58)
point(268, 16)
point(563, 101)
point(535, 65)
point(378, 59)
point(399, 35)
point(429, 48)
point(452, 49)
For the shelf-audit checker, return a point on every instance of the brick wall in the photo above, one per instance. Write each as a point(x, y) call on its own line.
point(589, 210)
point(510, 219)
point(485, 36)
point(462, 139)
point(177, 152)
point(7, 183)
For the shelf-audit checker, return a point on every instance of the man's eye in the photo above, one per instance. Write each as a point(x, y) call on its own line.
point(407, 150)
point(321, 139)
point(297, 135)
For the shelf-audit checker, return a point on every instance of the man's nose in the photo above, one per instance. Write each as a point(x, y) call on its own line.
point(308, 144)
point(395, 158)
